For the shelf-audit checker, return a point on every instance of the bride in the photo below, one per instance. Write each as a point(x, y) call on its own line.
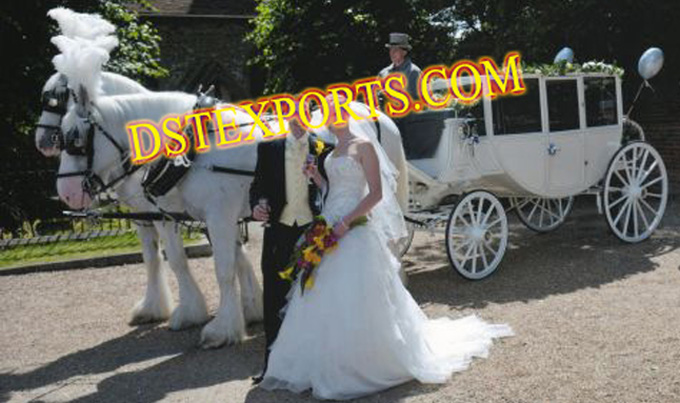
point(358, 331)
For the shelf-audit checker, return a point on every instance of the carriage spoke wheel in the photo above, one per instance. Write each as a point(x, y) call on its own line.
point(632, 131)
point(477, 235)
point(404, 244)
point(542, 214)
point(635, 192)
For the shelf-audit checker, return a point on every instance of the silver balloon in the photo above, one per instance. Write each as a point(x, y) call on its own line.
point(650, 63)
point(565, 54)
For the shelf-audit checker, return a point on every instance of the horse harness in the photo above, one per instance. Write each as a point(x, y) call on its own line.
point(161, 177)
point(166, 173)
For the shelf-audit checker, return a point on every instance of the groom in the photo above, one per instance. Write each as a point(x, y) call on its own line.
point(282, 196)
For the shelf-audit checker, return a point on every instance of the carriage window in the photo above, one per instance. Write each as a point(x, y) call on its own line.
point(601, 105)
point(518, 114)
point(562, 105)
point(475, 116)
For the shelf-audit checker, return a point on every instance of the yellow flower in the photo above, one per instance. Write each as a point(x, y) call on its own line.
point(311, 256)
point(307, 253)
point(310, 282)
point(319, 147)
point(316, 259)
point(318, 241)
point(287, 274)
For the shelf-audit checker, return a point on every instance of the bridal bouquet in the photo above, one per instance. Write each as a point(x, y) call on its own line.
point(317, 240)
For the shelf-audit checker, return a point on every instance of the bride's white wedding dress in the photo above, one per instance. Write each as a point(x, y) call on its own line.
point(358, 330)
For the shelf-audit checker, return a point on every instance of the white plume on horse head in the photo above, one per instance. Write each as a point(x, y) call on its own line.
point(81, 61)
point(79, 25)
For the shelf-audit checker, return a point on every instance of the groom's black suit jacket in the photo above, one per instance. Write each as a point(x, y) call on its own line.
point(270, 175)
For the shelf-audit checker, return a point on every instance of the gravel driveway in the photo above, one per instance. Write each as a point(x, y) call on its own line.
point(596, 321)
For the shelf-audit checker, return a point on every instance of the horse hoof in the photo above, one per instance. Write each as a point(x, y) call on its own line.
point(183, 318)
point(145, 312)
point(215, 336)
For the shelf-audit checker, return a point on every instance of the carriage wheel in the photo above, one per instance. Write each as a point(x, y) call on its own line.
point(541, 214)
point(635, 192)
point(632, 131)
point(405, 243)
point(477, 235)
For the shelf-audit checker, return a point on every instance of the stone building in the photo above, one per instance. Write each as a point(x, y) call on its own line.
point(203, 43)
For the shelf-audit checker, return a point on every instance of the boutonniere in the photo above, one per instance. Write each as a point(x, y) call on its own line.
point(319, 147)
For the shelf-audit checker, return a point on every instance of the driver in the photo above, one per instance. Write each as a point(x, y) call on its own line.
point(401, 63)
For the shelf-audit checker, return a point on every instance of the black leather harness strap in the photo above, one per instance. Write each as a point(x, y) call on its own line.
point(234, 171)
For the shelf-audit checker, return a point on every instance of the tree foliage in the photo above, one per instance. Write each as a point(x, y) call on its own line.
point(138, 52)
point(313, 43)
point(27, 52)
point(611, 31)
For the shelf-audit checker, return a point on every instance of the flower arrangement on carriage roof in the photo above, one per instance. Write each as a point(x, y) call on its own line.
point(469, 164)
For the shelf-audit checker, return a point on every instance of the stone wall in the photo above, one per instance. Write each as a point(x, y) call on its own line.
point(659, 116)
point(206, 51)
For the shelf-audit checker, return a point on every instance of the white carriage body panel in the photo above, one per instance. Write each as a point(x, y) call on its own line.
point(530, 153)
point(601, 144)
point(566, 168)
point(521, 161)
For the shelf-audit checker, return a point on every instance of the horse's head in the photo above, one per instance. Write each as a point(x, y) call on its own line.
point(89, 154)
point(96, 149)
point(56, 97)
point(56, 100)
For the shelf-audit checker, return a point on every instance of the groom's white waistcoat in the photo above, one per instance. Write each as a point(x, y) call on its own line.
point(297, 208)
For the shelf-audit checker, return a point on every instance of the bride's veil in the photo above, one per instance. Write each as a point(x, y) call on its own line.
point(387, 214)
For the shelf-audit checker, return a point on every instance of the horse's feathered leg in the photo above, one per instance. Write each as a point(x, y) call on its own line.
point(156, 304)
point(192, 309)
point(228, 326)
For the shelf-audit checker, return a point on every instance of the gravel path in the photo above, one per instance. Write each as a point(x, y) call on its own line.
point(596, 321)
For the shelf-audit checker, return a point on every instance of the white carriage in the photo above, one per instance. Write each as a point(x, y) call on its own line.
point(531, 153)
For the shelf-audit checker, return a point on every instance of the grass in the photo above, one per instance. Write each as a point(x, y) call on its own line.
point(69, 250)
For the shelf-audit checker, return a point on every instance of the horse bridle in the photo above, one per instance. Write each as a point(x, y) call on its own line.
point(56, 101)
point(93, 183)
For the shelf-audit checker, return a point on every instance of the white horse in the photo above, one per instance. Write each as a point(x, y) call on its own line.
point(216, 198)
point(57, 98)
point(157, 304)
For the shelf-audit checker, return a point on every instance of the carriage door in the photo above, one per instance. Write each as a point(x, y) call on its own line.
point(519, 138)
point(565, 153)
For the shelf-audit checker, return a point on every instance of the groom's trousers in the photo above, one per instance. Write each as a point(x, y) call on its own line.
point(277, 248)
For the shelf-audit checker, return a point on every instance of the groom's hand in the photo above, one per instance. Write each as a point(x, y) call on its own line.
point(260, 213)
